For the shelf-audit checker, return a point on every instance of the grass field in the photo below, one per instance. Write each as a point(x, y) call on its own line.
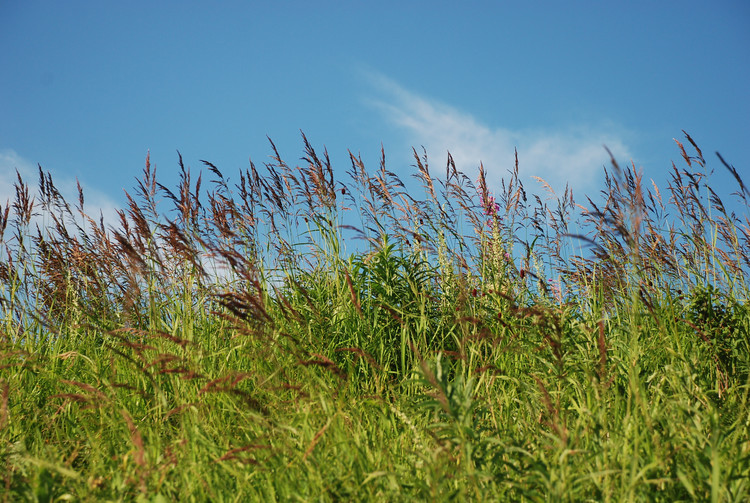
point(286, 335)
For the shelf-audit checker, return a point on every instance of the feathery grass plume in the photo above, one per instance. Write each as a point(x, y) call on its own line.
point(227, 338)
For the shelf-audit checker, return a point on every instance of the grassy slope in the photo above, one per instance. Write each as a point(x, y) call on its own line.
point(434, 363)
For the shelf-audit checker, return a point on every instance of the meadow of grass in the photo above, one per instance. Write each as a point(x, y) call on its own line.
point(292, 336)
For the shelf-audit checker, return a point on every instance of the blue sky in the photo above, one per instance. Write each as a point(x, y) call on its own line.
point(88, 87)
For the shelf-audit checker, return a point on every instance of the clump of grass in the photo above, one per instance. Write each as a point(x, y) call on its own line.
point(292, 335)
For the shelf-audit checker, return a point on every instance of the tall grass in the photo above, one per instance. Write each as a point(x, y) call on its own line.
point(292, 336)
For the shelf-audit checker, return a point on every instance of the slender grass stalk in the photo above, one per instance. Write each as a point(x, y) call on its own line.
point(477, 342)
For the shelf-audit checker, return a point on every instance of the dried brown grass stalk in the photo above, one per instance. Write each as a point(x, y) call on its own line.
point(553, 411)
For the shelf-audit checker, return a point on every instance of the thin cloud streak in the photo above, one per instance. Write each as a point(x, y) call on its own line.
point(574, 156)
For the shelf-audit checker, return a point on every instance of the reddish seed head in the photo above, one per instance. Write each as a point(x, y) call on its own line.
point(523, 273)
point(474, 293)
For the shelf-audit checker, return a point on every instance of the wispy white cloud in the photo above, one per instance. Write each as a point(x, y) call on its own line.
point(573, 155)
point(96, 202)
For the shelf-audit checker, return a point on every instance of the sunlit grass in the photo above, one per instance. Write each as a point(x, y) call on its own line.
point(240, 345)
